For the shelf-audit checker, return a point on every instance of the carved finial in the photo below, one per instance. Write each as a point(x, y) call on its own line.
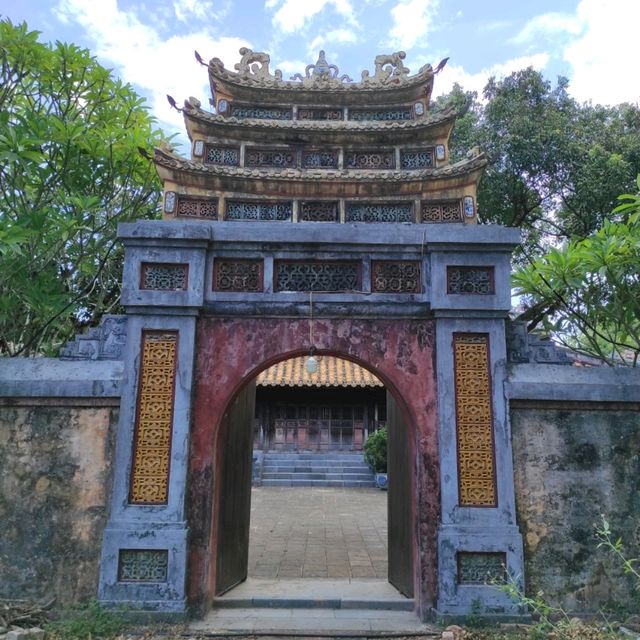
point(322, 70)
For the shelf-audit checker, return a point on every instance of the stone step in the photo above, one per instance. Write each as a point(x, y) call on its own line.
point(292, 455)
point(289, 602)
point(283, 468)
point(270, 475)
point(318, 483)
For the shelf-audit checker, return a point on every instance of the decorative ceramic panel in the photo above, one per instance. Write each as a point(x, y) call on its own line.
point(320, 114)
point(474, 421)
point(143, 565)
point(475, 567)
point(261, 113)
point(317, 276)
point(369, 160)
point(318, 211)
point(152, 439)
point(395, 276)
point(164, 277)
point(170, 198)
point(470, 280)
point(416, 159)
point(198, 208)
point(445, 211)
point(396, 113)
point(229, 156)
point(379, 212)
point(237, 275)
point(275, 158)
point(246, 210)
point(317, 159)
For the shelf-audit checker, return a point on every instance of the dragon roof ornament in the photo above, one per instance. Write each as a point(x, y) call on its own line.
point(253, 70)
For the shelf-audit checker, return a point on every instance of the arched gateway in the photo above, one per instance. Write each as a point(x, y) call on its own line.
point(345, 191)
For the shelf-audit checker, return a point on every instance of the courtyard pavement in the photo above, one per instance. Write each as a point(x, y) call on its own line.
point(308, 532)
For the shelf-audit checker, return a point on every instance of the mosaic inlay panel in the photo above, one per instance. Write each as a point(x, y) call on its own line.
point(369, 160)
point(381, 114)
point(261, 113)
point(320, 114)
point(416, 159)
point(152, 439)
point(317, 276)
point(275, 158)
point(318, 211)
point(245, 210)
point(237, 275)
point(197, 208)
point(164, 277)
point(481, 567)
point(474, 421)
point(401, 276)
point(471, 280)
point(447, 211)
point(143, 565)
point(317, 159)
point(222, 155)
point(379, 212)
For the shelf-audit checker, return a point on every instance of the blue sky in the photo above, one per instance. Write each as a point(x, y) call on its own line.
point(150, 43)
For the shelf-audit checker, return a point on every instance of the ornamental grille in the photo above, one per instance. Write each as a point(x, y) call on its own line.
point(382, 212)
point(317, 276)
point(142, 565)
point(446, 211)
point(261, 113)
point(152, 440)
point(237, 275)
point(164, 277)
point(474, 421)
point(402, 276)
point(320, 114)
point(239, 210)
point(470, 280)
point(318, 211)
point(313, 159)
point(380, 114)
point(197, 208)
point(416, 159)
point(370, 160)
point(222, 155)
point(481, 568)
point(278, 158)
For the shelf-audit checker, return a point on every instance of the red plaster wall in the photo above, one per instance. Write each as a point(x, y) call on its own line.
point(231, 351)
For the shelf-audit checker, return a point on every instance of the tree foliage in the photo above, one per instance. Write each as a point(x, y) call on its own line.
point(70, 170)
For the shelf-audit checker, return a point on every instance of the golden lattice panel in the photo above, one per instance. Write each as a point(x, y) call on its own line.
point(474, 421)
point(152, 440)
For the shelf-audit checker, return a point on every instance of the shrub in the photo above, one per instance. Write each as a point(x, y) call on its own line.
point(375, 451)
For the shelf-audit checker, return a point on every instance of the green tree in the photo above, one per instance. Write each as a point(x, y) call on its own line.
point(70, 170)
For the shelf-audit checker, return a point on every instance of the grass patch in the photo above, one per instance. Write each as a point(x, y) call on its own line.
point(87, 620)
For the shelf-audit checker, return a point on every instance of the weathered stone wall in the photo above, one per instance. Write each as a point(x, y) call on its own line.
point(573, 462)
point(55, 481)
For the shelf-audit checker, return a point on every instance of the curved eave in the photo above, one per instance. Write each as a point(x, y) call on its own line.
point(200, 123)
point(318, 182)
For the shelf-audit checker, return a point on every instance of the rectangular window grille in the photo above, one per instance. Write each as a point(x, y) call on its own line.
point(237, 275)
point(318, 159)
point(422, 159)
point(471, 281)
point(261, 113)
point(275, 158)
point(446, 211)
point(393, 114)
point(198, 208)
point(374, 160)
point(318, 211)
point(222, 155)
point(247, 210)
point(395, 276)
point(154, 419)
point(164, 277)
point(338, 276)
point(320, 114)
point(474, 421)
point(379, 212)
point(143, 565)
point(481, 567)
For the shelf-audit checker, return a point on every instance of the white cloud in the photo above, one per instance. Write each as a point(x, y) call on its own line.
point(336, 35)
point(292, 15)
point(411, 22)
point(545, 25)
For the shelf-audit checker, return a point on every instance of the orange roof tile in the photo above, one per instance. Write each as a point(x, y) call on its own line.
point(332, 372)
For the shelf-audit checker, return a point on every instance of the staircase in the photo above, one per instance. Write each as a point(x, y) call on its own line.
point(330, 469)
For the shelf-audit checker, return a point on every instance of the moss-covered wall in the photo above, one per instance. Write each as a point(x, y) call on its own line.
point(572, 464)
point(55, 480)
